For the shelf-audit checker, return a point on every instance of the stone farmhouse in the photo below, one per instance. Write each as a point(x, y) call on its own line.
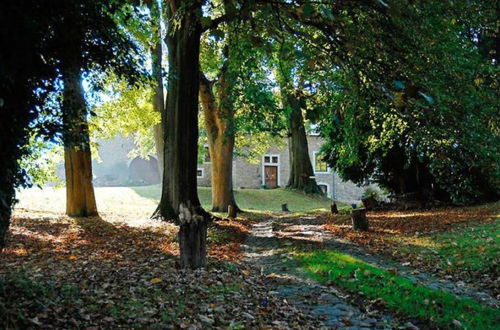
point(116, 168)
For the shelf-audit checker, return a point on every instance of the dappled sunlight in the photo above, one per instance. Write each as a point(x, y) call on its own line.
point(64, 244)
point(417, 222)
point(113, 201)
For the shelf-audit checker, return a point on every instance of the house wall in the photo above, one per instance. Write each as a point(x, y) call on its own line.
point(250, 176)
point(114, 169)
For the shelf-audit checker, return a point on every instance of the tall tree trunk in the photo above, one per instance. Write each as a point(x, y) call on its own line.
point(158, 96)
point(179, 199)
point(80, 199)
point(301, 170)
point(7, 198)
point(219, 124)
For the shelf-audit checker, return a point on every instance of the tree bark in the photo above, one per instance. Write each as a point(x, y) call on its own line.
point(158, 95)
point(301, 170)
point(219, 124)
point(6, 204)
point(359, 220)
point(80, 198)
point(179, 199)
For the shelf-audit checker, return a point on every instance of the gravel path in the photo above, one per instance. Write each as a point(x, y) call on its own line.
point(311, 229)
point(264, 248)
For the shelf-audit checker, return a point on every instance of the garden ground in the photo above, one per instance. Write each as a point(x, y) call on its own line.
point(427, 269)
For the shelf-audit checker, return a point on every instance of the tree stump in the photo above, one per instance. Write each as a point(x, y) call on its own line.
point(359, 220)
point(232, 211)
point(369, 203)
point(334, 208)
point(284, 207)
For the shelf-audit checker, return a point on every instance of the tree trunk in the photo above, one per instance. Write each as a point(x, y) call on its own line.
point(158, 96)
point(7, 198)
point(359, 220)
point(301, 170)
point(80, 199)
point(219, 124)
point(179, 199)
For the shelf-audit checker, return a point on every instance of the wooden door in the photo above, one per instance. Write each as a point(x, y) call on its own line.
point(271, 176)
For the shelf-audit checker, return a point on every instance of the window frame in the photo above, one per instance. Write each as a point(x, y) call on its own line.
point(314, 164)
point(327, 187)
point(270, 163)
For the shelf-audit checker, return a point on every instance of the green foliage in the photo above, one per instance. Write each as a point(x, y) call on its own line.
point(370, 193)
point(233, 52)
point(399, 294)
point(41, 162)
point(421, 115)
point(128, 111)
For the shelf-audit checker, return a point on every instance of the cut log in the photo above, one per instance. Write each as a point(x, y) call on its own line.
point(232, 211)
point(334, 208)
point(369, 203)
point(359, 220)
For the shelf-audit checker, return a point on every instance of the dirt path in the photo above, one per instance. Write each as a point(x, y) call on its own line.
point(312, 230)
point(266, 248)
point(262, 249)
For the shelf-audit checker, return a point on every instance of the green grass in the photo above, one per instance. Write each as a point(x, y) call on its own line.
point(399, 294)
point(254, 199)
point(141, 201)
point(474, 247)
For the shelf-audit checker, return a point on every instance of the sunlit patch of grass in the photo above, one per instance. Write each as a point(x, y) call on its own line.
point(254, 199)
point(421, 242)
point(475, 247)
point(399, 294)
point(139, 203)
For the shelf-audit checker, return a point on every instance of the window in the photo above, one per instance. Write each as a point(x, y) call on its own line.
point(320, 165)
point(324, 188)
point(271, 170)
point(271, 159)
point(207, 158)
point(200, 173)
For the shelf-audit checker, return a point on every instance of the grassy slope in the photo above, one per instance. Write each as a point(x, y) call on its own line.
point(398, 294)
point(254, 199)
point(474, 247)
point(142, 201)
point(462, 242)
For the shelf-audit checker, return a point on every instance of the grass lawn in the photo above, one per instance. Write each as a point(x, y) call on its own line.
point(254, 199)
point(396, 293)
point(142, 200)
point(461, 242)
point(471, 248)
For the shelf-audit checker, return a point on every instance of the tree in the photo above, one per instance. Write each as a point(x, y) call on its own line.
point(30, 69)
point(220, 127)
point(88, 46)
point(23, 31)
point(125, 110)
point(238, 101)
point(80, 198)
point(158, 97)
point(417, 122)
point(293, 100)
point(301, 170)
point(179, 199)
